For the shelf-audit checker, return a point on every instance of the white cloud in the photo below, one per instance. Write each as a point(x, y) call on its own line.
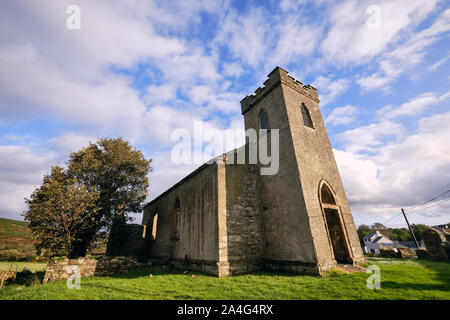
point(329, 89)
point(407, 55)
point(246, 36)
point(350, 40)
point(369, 137)
point(342, 116)
point(400, 173)
point(372, 82)
point(21, 171)
point(70, 142)
point(413, 107)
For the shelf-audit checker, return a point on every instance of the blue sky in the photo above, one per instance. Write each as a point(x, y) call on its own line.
point(142, 69)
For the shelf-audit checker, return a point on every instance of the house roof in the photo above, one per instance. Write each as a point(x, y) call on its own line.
point(376, 237)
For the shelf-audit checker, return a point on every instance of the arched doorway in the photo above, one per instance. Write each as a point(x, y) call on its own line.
point(335, 225)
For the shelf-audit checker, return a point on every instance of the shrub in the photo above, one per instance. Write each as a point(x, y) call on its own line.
point(10, 255)
point(28, 278)
point(31, 257)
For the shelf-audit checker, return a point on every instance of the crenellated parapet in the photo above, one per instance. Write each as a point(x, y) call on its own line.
point(275, 78)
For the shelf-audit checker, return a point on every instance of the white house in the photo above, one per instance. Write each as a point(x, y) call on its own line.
point(374, 240)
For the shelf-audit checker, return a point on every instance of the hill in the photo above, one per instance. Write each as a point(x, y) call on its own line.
point(16, 240)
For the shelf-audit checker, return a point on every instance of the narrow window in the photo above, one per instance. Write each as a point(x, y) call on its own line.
point(307, 121)
point(176, 219)
point(154, 226)
point(264, 120)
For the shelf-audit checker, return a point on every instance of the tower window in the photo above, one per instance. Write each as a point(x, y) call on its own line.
point(264, 120)
point(307, 121)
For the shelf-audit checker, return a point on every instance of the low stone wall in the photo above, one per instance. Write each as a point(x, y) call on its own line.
point(405, 252)
point(6, 275)
point(437, 244)
point(62, 270)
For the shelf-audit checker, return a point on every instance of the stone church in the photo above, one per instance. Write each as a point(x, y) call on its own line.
point(227, 219)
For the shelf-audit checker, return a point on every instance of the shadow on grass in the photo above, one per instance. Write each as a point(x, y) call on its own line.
point(163, 271)
point(442, 271)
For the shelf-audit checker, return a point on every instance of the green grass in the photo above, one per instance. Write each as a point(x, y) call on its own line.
point(400, 279)
point(16, 237)
point(19, 266)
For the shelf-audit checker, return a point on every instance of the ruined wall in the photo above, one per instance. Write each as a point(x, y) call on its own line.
point(197, 245)
point(61, 269)
point(243, 219)
point(437, 245)
point(126, 240)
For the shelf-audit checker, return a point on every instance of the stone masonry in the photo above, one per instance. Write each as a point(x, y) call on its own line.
point(88, 267)
point(227, 219)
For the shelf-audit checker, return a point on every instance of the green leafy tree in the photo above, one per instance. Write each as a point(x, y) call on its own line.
point(419, 230)
point(378, 226)
point(119, 172)
point(60, 212)
point(363, 230)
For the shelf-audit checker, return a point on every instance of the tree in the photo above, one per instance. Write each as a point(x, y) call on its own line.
point(119, 173)
point(377, 226)
point(419, 230)
point(60, 211)
point(363, 230)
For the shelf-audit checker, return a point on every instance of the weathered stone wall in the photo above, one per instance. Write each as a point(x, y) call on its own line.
point(126, 240)
point(196, 246)
point(6, 275)
point(436, 243)
point(243, 219)
point(88, 267)
point(316, 163)
point(288, 239)
point(294, 223)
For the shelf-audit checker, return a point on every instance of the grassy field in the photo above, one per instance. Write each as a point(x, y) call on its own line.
point(400, 279)
point(16, 239)
point(19, 266)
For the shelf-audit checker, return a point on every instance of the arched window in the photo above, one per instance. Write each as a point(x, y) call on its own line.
point(327, 195)
point(263, 120)
point(307, 121)
point(176, 219)
point(154, 225)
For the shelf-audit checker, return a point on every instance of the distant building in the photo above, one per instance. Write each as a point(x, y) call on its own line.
point(409, 244)
point(374, 240)
point(442, 226)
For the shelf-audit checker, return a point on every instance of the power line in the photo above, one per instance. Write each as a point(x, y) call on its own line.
point(419, 209)
point(389, 220)
point(434, 198)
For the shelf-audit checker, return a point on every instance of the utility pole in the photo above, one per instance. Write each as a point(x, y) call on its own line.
point(410, 230)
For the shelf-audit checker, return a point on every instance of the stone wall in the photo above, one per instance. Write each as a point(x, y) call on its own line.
point(437, 244)
point(127, 240)
point(195, 246)
point(243, 219)
point(6, 275)
point(88, 267)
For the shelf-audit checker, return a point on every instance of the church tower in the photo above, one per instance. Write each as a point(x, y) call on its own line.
point(306, 219)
